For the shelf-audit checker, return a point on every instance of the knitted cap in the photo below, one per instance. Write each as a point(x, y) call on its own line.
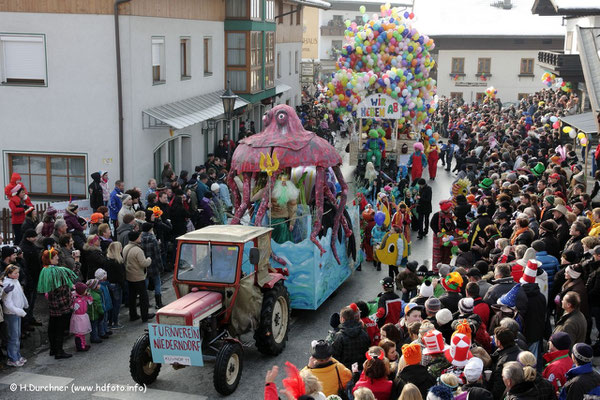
point(412, 353)
point(473, 369)
point(426, 289)
point(80, 288)
point(452, 282)
point(443, 316)
point(100, 274)
point(465, 305)
point(433, 304)
point(583, 352)
point(92, 284)
point(561, 340)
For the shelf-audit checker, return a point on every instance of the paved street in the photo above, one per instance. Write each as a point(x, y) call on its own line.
point(108, 363)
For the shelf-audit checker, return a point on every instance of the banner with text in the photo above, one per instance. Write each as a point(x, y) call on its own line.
point(379, 106)
point(176, 344)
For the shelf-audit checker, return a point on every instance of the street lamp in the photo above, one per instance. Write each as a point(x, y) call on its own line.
point(228, 98)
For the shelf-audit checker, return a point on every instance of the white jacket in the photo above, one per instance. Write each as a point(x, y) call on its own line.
point(15, 301)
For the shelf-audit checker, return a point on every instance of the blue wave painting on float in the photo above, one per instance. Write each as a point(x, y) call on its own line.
point(314, 278)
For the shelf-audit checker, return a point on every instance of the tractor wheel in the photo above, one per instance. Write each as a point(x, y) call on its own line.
point(141, 367)
point(228, 368)
point(272, 332)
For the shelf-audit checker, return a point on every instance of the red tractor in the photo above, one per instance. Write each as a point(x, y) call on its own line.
point(225, 287)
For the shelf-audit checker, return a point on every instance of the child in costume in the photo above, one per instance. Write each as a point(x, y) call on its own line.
point(377, 234)
point(80, 320)
point(374, 146)
point(367, 224)
point(14, 304)
point(417, 161)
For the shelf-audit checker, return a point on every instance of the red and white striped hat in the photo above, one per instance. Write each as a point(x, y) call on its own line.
point(434, 342)
point(530, 271)
point(458, 354)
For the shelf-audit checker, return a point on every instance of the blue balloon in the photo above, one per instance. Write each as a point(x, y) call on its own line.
point(406, 14)
point(379, 218)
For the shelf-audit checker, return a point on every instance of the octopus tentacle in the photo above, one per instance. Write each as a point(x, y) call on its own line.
point(319, 182)
point(239, 213)
point(262, 209)
point(343, 199)
point(233, 188)
point(334, 233)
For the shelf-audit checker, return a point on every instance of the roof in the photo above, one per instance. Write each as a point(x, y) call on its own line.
point(225, 233)
point(566, 7)
point(313, 3)
point(588, 43)
point(184, 113)
point(585, 122)
point(281, 87)
point(437, 18)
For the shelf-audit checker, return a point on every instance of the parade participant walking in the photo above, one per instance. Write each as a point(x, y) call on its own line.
point(424, 207)
point(442, 223)
point(417, 162)
point(432, 158)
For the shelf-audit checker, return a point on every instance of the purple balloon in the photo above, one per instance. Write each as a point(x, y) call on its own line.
point(379, 218)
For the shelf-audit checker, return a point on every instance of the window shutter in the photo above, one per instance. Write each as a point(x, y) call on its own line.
point(24, 57)
point(156, 49)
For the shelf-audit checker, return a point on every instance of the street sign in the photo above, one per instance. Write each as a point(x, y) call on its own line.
point(176, 344)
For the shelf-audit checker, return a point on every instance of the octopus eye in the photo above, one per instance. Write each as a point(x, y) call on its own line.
point(281, 116)
point(391, 248)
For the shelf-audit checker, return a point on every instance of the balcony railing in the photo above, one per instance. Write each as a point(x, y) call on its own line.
point(333, 30)
point(559, 62)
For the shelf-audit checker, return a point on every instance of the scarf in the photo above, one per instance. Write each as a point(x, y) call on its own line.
point(515, 235)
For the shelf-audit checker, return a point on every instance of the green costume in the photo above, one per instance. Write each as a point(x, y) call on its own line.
point(52, 277)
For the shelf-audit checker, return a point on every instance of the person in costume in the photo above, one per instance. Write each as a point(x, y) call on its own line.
point(374, 147)
point(80, 320)
point(393, 250)
point(433, 155)
point(284, 202)
point(417, 161)
point(377, 234)
point(56, 281)
point(442, 223)
point(367, 224)
point(402, 218)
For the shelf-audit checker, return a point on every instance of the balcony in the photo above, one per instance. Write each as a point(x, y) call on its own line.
point(567, 66)
point(333, 30)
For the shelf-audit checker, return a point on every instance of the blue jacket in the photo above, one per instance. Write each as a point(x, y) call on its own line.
point(105, 293)
point(224, 194)
point(581, 380)
point(550, 264)
point(201, 190)
point(377, 234)
point(114, 205)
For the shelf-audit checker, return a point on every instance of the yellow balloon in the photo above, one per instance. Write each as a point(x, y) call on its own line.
point(580, 135)
point(567, 129)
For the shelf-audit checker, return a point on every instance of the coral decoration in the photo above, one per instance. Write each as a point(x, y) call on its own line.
point(293, 383)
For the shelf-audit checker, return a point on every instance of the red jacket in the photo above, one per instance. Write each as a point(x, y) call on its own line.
point(482, 309)
point(372, 330)
point(559, 363)
point(271, 391)
point(381, 388)
point(14, 180)
point(17, 211)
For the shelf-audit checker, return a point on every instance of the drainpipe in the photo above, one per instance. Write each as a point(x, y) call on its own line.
point(119, 88)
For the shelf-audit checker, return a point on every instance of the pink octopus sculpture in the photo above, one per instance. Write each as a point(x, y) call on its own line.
point(294, 146)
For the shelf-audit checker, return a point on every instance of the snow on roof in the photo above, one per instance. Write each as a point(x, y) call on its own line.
point(314, 3)
point(478, 18)
point(576, 4)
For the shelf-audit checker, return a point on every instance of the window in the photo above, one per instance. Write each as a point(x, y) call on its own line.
point(236, 9)
point(458, 66)
point(290, 62)
point(291, 15)
point(50, 175)
point(185, 57)
point(237, 80)
point(207, 56)
point(270, 10)
point(296, 61)
point(23, 59)
point(279, 64)
point(256, 48)
point(270, 60)
point(479, 96)
point(522, 96)
point(456, 95)
point(484, 65)
point(158, 60)
point(299, 16)
point(255, 80)
point(280, 8)
point(236, 48)
point(336, 48)
point(207, 263)
point(269, 76)
point(338, 20)
point(255, 9)
point(526, 66)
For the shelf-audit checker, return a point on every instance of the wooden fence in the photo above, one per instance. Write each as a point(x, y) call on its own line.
point(5, 222)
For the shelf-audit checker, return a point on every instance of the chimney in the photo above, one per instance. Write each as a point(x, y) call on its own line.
point(507, 5)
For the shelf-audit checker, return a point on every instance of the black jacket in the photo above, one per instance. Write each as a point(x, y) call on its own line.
point(522, 391)
point(424, 205)
point(536, 313)
point(92, 259)
point(501, 357)
point(503, 286)
point(115, 272)
point(562, 233)
point(418, 376)
point(351, 343)
point(552, 245)
point(450, 301)
point(31, 255)
point(95, 191)
point(574, 244)
point(593, 287)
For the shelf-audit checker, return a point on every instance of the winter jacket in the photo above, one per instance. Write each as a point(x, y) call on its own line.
point(544, 389)
point(552, 244)
point(577, 286)
point(14, 302)
point(115, 272)
point(450, 301)
point(522, 391)
point(581, 380)
point(17, 210)
point(501, 357)
point(381, 388)
point(550, 264)
point(95, 310)
point(574, 244)
point(135, 263)
point(418, 376)
point(424, 202)
point(407, 280)
point(558, 364)
point(484, 286)
point(482, 309)
point(534, 322)
point(105, 293)
point(123, 212)
point(327, 375)
point(115, 204)
point(123, 233)
point(350, 344)
point(502, 286)
point(593, 288)
point(573, 323)
point(372, 330)
point(92, 259)
point(562, 234)
point(95, 192)
point(66, 259)
point(15, 179)
point(390, 308)
point(31, 255)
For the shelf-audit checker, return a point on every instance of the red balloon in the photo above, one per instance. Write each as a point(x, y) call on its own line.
point(556, 125)
point(411, 15)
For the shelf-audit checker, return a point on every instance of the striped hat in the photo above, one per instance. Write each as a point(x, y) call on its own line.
point(434, 342)
point(458, 354)
point(530, 272)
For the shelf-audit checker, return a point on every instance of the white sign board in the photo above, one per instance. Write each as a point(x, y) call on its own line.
point(84, 210)
point(379, 106)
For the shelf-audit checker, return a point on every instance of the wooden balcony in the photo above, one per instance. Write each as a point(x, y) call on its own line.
point(567, 66)
point(335, 30)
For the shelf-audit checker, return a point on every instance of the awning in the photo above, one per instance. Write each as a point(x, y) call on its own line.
point(281, 88)
point(184, 113)
point(585, 122)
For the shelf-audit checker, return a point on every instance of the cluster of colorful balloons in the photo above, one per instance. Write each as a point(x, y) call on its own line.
point(583, 140)
point(491, 93)
point(555, 122)
point(548, 79)
point(385, 55)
